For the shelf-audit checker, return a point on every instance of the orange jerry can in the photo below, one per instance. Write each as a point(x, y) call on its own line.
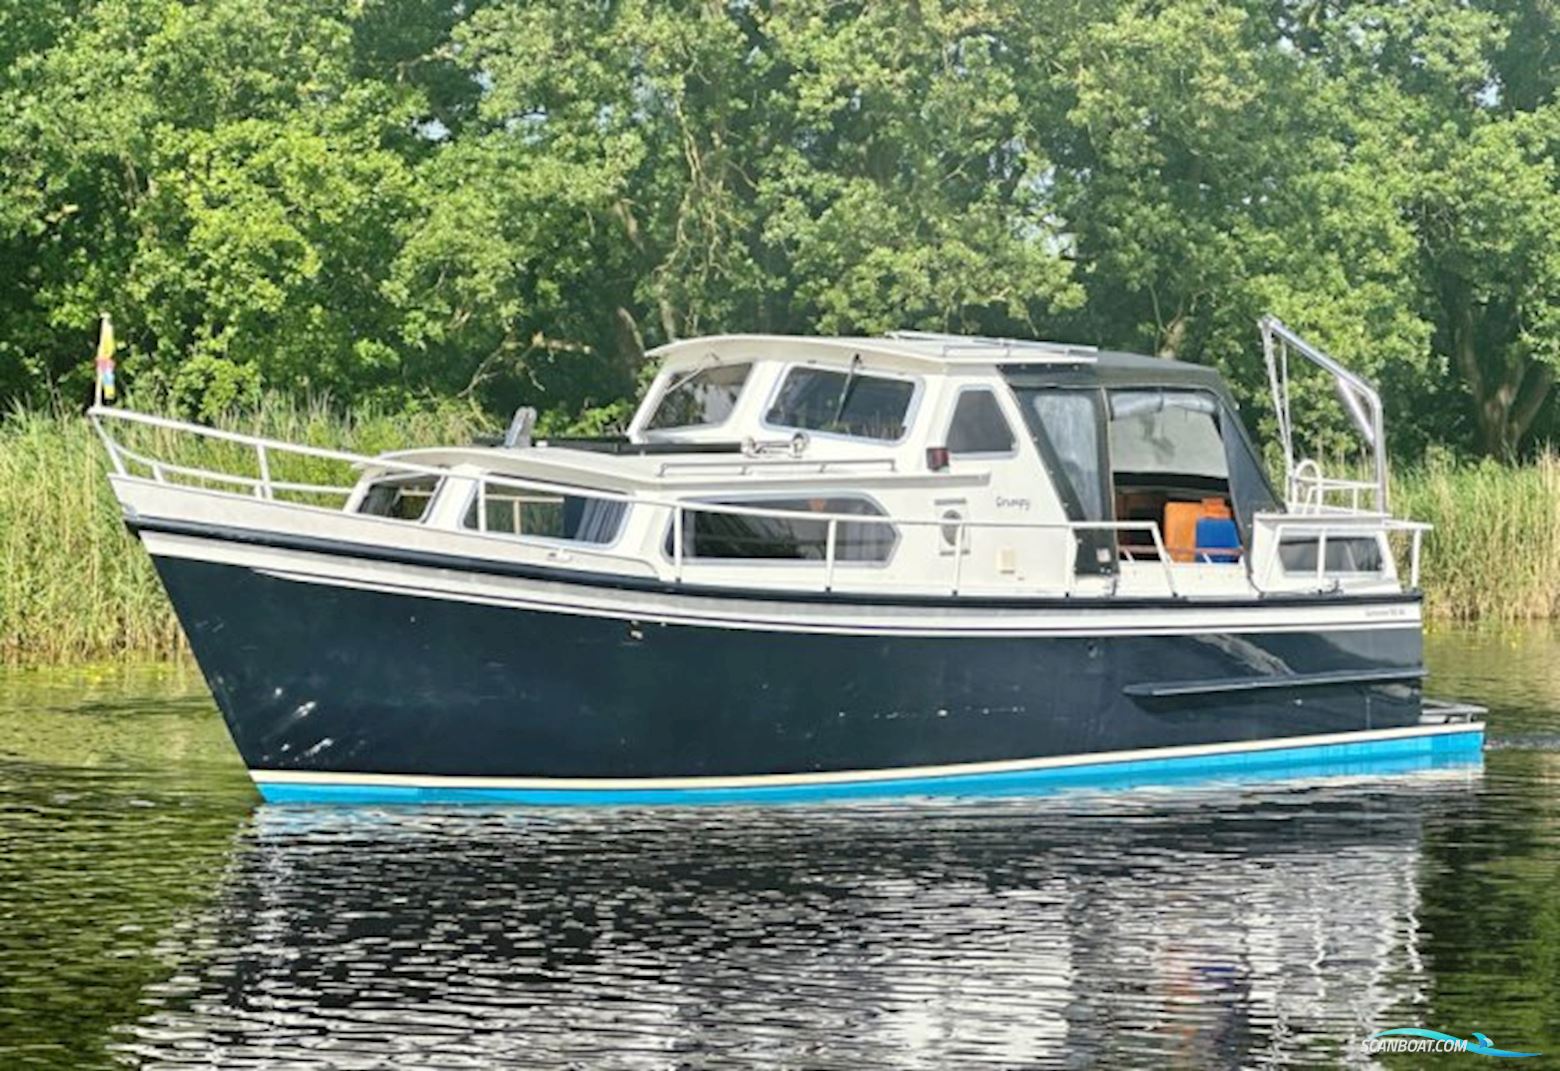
point(1181, 525)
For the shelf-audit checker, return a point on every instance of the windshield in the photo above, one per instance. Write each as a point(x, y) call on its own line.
point(843, 403)
point(700, 399)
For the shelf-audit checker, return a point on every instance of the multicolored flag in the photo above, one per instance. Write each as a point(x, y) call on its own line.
point(105, 362)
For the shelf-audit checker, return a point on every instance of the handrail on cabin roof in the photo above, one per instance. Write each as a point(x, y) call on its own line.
point(950, 342)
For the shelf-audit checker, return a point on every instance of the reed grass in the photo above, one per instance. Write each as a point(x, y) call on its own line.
point(1495, 551)
point(76, 586)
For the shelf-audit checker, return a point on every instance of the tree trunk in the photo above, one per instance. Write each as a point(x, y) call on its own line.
point(1507, 393)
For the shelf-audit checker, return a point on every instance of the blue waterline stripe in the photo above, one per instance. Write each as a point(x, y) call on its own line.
point(1372, 757)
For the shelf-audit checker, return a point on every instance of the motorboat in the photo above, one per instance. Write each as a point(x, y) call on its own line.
point(811, 566)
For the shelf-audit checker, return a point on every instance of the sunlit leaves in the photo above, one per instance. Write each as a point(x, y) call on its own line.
point(511, 200)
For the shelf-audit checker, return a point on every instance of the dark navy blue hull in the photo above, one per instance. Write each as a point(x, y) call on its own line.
point(322, 678)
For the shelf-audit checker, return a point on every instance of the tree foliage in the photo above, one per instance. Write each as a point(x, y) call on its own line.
point(511, 201)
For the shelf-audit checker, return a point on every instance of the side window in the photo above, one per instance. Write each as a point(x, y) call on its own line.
point(843, 403)
point(1159, 437)
point(403, 498)
point(978, 426)
point(744, 536)
point(1178, 459)
point(1344, 555)
point(700, 399)
point(509, 510)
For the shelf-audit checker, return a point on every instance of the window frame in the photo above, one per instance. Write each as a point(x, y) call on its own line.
point(980, 455)
point(757, 501)
point(470, 503)
point(912, 408)
point(644, 427)
point(361, 495)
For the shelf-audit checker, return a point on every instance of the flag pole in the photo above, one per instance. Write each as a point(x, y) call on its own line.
point(97, 369)
point(103, 386)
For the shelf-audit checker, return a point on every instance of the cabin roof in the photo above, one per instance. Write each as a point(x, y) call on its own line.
point(907, 345)
point(1120, 370)
point(1014, 356)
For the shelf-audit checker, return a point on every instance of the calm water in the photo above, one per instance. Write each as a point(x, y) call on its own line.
point(153, 913)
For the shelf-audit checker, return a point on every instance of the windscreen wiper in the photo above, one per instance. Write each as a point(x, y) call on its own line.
point(704, 366)
point(845, 391)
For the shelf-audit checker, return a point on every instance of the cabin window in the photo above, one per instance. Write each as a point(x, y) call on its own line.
point(700, 399)
point(1167, 436)
point(742, 536)
point(978, 426)
point(1071, 427)
point(510, 510)
point(1345, 554)
point(843, 403)
point(403, 498)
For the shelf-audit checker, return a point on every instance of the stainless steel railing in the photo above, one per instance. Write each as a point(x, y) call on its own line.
point(1358, 396)
point(264, 486)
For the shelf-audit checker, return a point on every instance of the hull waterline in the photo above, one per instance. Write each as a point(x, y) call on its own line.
point(1368, 754)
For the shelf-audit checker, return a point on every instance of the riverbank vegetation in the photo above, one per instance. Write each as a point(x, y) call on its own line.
point(1495, 552)
point(75, 585)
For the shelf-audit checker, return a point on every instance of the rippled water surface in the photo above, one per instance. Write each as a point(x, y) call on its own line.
point(153, 913)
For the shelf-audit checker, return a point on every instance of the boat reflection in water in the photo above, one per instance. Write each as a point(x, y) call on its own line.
point(1208, 926)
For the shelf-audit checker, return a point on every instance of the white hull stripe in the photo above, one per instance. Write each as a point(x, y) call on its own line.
point(757, 615)
point(754, 623)
point(843, 777)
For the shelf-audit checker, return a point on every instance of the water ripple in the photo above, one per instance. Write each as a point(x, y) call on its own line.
point(152, 915)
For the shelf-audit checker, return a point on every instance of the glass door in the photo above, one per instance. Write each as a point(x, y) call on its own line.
point(1067, 425)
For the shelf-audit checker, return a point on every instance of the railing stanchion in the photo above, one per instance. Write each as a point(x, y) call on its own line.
point(1413, 558)
point(677, 541)
point(958, 556)
point(1164, 559)
point(263, 489)
point(109, 444)
point(828, 555)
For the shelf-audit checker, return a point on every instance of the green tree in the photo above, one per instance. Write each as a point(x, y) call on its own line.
point(512, 201)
